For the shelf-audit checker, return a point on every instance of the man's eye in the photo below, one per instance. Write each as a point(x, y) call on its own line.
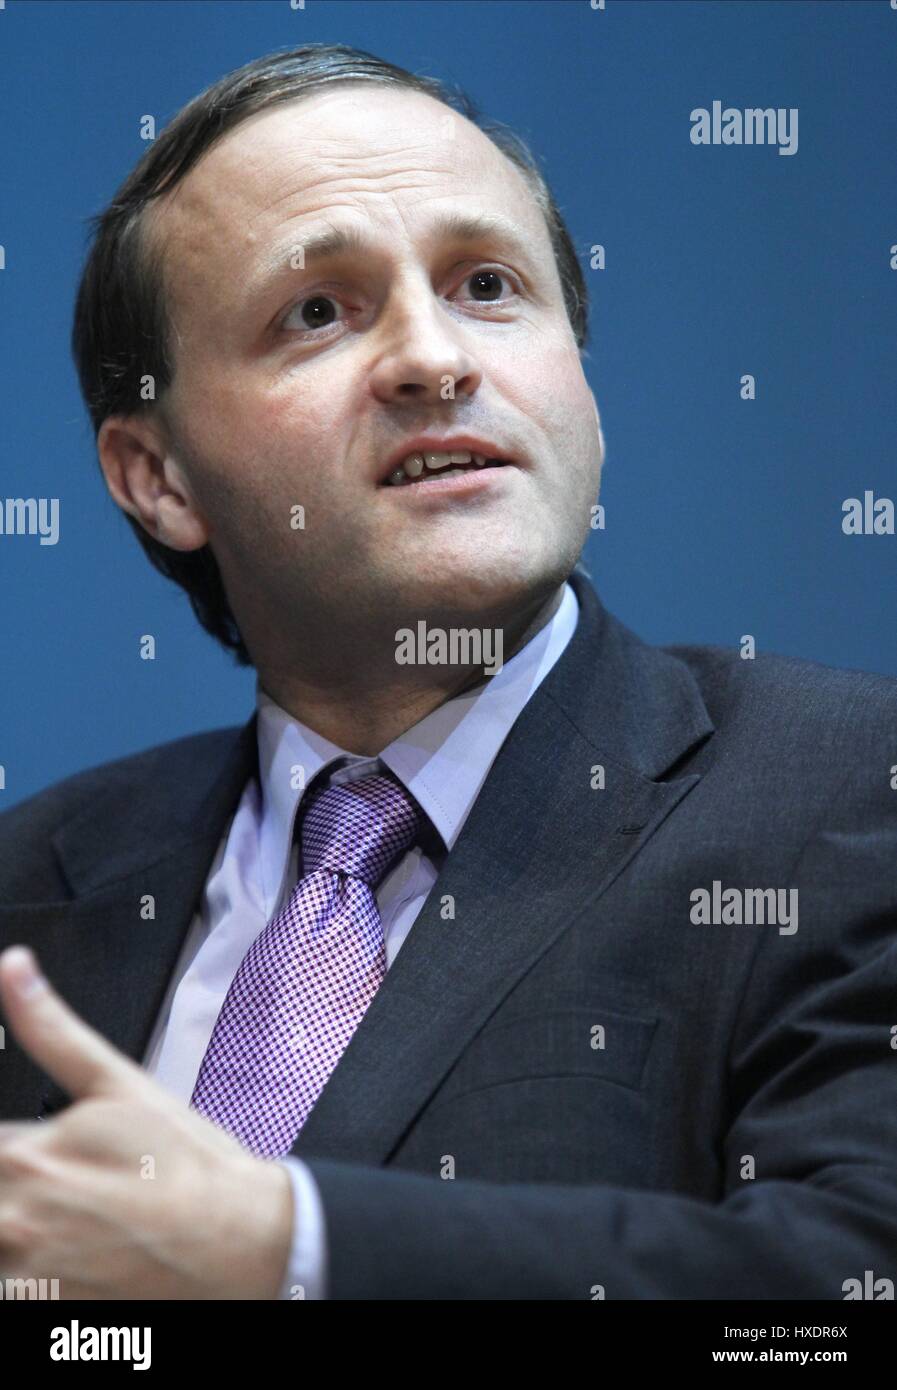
point(486, 285)
point(309, 315)
point(318, 312)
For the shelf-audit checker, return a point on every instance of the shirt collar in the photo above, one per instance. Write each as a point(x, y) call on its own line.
point(443, 760)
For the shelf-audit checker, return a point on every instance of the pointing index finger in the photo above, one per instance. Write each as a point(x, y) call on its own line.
point(72, 1053)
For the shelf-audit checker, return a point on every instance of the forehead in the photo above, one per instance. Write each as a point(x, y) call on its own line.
point(361, 152)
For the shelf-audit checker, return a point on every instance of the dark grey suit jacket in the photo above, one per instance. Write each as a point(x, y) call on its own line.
point(735, 1136)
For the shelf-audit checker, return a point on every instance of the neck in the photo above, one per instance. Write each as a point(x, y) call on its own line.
point(369, 703)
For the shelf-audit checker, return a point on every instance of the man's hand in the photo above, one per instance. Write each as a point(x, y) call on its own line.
point(128, 1193)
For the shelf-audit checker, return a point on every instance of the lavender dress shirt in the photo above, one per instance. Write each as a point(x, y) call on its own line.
point(443, 761)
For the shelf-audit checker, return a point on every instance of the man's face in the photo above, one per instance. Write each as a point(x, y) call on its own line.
point(298, 386)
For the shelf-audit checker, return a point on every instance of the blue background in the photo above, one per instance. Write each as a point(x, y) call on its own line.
point(723, 516)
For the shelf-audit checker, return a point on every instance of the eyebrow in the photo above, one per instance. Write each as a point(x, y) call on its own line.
point(351, 241)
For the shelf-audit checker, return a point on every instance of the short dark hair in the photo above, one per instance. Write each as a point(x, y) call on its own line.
point(121, 332)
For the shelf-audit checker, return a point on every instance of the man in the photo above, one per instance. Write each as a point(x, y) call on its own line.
point(500, 955)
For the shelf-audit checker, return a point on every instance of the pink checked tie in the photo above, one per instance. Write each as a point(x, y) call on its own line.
point(306, 981)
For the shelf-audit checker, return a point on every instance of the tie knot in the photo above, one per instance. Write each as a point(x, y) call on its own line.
point(359, 828)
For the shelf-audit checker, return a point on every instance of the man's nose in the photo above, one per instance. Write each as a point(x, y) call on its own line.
point(425, 352)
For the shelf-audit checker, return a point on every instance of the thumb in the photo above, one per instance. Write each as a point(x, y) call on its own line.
point(72, 1053)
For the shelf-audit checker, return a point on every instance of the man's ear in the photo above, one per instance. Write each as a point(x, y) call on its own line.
point(147, 482)
point(600, 431)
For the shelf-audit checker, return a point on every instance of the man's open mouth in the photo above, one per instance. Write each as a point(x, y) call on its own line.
point(420, 467)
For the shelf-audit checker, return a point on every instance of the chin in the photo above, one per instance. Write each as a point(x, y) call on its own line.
point(499, 585)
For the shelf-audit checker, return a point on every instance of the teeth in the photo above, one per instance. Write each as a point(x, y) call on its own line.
point(413, 466)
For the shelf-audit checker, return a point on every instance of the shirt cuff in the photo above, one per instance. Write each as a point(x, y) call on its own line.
point(306, 1272)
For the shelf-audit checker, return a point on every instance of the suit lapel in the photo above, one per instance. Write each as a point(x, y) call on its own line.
point(538, 849)
point(110, 962)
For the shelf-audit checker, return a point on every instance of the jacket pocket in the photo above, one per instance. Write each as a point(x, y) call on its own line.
point(592, 1042)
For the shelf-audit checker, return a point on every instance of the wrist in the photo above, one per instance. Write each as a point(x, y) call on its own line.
point(265, 1246)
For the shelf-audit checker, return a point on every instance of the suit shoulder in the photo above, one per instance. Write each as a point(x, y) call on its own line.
point(780, 690)
point(40, 814)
